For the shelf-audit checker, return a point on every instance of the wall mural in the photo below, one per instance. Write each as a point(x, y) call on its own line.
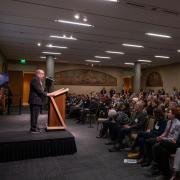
point(84, 77)
point(154, 80)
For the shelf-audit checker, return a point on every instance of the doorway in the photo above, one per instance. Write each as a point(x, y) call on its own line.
point(26, 87)
point(128, 83)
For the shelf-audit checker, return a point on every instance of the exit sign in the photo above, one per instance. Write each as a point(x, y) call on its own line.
point(22, 61)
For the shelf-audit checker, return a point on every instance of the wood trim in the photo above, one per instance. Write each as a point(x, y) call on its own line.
point(58, 113)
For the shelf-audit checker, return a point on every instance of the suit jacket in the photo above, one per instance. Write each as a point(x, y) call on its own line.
point(138, 121)
point(36, 94)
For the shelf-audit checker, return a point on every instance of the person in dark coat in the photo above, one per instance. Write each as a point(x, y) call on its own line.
point(36, 96)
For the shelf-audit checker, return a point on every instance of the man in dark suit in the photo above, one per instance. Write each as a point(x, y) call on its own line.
point(36, 96)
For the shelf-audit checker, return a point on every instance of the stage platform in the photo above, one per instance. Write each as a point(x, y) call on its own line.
point(20, 145)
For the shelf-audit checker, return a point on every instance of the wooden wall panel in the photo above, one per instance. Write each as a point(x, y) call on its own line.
point(16, 85)
point(26, 87)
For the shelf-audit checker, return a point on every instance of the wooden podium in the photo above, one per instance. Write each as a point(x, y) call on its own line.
point(56, 115)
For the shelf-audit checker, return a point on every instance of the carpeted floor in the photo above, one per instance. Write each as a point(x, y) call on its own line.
point(91, 162)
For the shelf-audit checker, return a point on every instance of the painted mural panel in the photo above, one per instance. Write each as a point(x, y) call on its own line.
point(154, 80)
point(84, 77)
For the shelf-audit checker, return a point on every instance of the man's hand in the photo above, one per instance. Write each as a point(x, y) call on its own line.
point(159, 138)
point(126, 126)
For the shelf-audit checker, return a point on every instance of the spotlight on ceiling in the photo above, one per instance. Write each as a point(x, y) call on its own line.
point(39, 44)
point(76, 16)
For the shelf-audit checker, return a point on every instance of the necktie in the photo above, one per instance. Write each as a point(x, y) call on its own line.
point(169, 129)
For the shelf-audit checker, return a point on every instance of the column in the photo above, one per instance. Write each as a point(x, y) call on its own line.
point(137, 77)
point(49, 72)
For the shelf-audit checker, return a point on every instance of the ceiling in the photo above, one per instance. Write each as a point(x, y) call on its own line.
point(24, 23)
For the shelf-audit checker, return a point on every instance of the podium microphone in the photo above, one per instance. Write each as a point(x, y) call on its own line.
point(50, 78)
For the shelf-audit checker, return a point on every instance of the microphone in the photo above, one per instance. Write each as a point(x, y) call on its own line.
point(50, 78)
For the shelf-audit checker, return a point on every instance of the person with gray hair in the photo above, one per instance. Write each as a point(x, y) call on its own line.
point(136, 125)
point(36, 96)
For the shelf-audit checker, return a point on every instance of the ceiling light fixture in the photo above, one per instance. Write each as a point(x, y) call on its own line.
point(144, 60)
point(94, 61)
point(114, 52)
point(133, 45)
point(127, 63)
point(85, 19)
point(178, 50)
point(158, 35)
point(74, 23)
point(44, 57)
point(46, 52)
point(163, 57)
point(63, 37)
point(52, 46)
point(102, 57)
point(76, 16)
point(38, 44)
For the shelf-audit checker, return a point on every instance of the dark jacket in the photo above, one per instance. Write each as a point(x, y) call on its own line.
point(159, 127)
point(36, 94)
point(138, 121)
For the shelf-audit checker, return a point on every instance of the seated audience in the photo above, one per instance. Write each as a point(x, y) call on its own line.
point(165, 145)
point(159, 127)
point(137, 125)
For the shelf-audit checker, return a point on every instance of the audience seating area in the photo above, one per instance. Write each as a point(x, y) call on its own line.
point(146, 123)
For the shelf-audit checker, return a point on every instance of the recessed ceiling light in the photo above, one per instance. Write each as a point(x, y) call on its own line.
point(63, 37)
point(94, 61)
point(178, 50)
point(74, 23)
point(114, 52)
point(102, 57)
point(132, 64)
point(38, 44)
point(164, 57)
point(158, 35)
point(85, 19)
point(133, 45)
point(76, 16)
point(52, 46)
point(144, 60)
point(44, 57)
point(46, 52)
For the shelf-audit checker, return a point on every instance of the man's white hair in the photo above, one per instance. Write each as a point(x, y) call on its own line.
point(38, 71)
